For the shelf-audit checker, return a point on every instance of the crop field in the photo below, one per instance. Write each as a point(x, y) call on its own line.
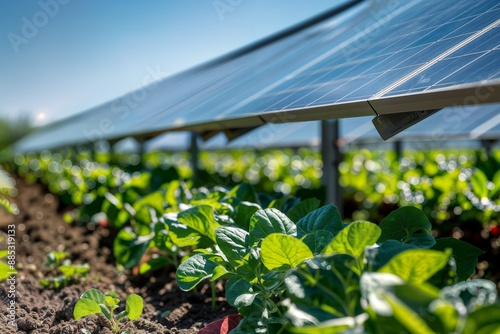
point(116, 244)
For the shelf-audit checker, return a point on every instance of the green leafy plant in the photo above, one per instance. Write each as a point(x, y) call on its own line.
point(94, 301)
point(70, 273)
point(6, 267)
point(322, 275)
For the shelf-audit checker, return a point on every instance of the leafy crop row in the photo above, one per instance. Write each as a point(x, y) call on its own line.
point(289, 265)
point(321, 275)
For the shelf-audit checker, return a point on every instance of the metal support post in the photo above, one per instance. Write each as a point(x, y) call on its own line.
point(332, 157)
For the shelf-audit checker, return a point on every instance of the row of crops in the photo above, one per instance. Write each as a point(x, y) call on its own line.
point(290, 264)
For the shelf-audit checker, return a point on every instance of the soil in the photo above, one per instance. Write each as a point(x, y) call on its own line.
point(40, 228)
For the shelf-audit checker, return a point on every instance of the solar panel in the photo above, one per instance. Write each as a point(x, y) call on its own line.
point(376, 58)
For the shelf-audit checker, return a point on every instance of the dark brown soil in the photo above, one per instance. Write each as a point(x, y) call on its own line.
point(40, 228)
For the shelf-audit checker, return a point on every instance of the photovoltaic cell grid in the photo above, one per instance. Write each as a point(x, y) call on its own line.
point(375, 50)
point(380, 55)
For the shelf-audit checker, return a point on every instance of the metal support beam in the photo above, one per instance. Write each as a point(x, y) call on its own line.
point(194, 152)
point(398, 149)
point(332, 157)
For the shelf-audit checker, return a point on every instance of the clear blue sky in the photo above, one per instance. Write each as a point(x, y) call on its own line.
point(61, 57)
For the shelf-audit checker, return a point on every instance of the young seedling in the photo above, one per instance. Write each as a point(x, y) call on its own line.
point(94, 301)
point(70, 272)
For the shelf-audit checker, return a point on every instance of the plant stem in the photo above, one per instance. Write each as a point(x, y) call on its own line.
point(214, 297)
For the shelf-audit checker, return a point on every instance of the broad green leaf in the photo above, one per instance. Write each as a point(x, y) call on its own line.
point(282, 252)
point(402, 223)
point(4, 271)
point(386, 251)
point(129, 247)
point(407, 317)
point(353, 239)
point(94, 295)
point(479, 183)
point(325, 218)
point(465, 255)
point(232, 242)
point(318, 240)
point(245, 192)
point(416, 265)
point(219, 272)
point(421, 240)
point(3, 253)
point(483, 320)
point(447, 314)
point(201, 219)
point(193, 271)
point(268, 221)
point(154, 263)
point(240, 293)
point(134, 306)
point(244, 212)
point(303, 209)
point(85, 331)
point(86, 307)
point(154, 200)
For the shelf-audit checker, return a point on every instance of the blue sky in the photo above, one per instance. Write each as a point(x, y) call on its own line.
point(61, 57)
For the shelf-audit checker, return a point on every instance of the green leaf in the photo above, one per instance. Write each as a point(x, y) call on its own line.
point(303, 209)
point(325, 218)
point(386, 251)
point(402, 223)
point(416, 265)
point(465, 255)
point(353, 239)
point(318, 240)
point(447, 314)
point(219, 272)
point(244, 212)
point(421, 240)
point(86, 307)
point(153, 200)
point(129, 247)
point(282, 252)
point(110, 300)
point(407, 317)
point(240, 293)
point(479, 183)
point(193, 271)
point(134, 306)
point(244, 192)
point(121, 315)
point(483, 320)
point(232, 242)
point(68, 271)
point(4, 271)
point(268, 221)
point(95, 295)
point(201, 219)
point(105, 310)
point(85, 331)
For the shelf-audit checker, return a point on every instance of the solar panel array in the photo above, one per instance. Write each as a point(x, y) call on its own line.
point(377, 57)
